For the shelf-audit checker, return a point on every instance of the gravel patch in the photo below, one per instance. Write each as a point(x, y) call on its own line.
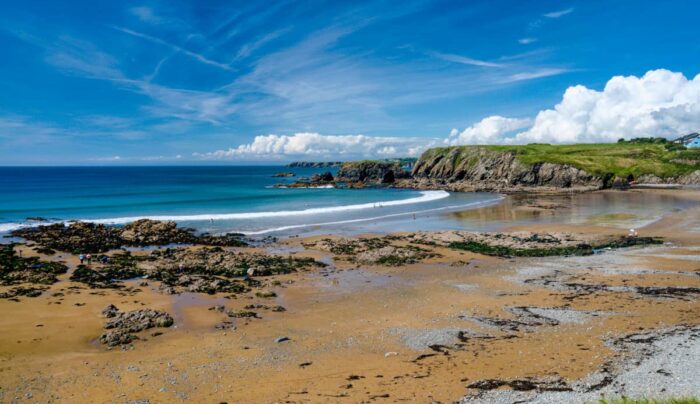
point(659, 365)
point(419, 340)
point(466, 287)
point(566, 316)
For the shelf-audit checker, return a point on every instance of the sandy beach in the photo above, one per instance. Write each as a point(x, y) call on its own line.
point(440, 325)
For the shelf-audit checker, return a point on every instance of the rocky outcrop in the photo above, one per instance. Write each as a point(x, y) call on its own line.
point(122, 325)
point(84, 237)
point(481, 169)
point(15, 269)
point(380, 172)
point(153, 232)
point(692, 178)
point(315, 164)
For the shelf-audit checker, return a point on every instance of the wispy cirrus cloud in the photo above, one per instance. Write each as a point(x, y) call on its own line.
point(465, 60)
point(559, 13)
point(535, 74)
point(197, 56)
point(527, 41)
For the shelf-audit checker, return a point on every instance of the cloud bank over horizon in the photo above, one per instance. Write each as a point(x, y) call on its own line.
point(316, 145)
point(660, 103)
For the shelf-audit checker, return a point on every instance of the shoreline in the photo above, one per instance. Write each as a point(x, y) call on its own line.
point(364, 328)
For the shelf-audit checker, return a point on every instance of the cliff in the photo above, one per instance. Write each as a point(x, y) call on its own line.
point(314, 164)
point(371, 171)
point(550, 167)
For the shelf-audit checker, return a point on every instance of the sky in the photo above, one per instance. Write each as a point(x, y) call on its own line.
point(226, 82)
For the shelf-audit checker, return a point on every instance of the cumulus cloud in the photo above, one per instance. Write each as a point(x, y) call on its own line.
point(487, 131)
point(660, 103)
point(316, 145)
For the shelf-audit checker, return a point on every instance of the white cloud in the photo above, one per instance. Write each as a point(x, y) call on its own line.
point(534, 74)
point(660, 103)
point(199, 57)
point(146, 14)
point(487, 131)
point(465, 60)
point(559, 13)
point(527, 41)
point(316, 145)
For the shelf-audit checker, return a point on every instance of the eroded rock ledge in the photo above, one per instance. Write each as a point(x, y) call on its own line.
point(83, 237)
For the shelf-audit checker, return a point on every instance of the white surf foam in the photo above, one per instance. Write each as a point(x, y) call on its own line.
point(367, 219)
point(425, 196)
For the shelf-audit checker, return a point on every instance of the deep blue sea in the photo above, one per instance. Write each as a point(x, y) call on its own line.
point(214, 199)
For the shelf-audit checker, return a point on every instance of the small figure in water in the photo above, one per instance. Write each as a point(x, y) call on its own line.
point(82, 258)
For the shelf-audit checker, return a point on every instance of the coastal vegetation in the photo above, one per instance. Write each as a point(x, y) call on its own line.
point(623, 159)
point(579, 249)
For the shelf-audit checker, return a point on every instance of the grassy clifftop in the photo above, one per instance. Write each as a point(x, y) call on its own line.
point(621, 159)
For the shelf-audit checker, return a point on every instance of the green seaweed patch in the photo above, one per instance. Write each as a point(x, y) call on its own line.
point(15, 269)
point(577, 250)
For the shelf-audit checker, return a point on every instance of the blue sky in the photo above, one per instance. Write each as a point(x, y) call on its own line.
point(151, 82)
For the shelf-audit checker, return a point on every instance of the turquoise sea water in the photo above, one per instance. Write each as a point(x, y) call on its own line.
point(214, 199)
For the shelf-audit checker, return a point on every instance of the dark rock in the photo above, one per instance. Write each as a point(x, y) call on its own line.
point(83, 237)
point(371, 171)
point(23, 291)
point(521, 385)
point(322, 178)
point(124, 324)
point(312, 164)
point(15, 269)
point(110, 311)
point(242, 314)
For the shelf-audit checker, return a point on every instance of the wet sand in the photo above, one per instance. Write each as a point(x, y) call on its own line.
point(363, 333)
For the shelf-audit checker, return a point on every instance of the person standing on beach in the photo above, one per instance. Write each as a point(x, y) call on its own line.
point(82, 258)
point(89, 259)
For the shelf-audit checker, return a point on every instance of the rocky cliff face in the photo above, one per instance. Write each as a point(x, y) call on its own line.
point(479, 169)
point(314, 164)
point(385, 172)
point(687, 179)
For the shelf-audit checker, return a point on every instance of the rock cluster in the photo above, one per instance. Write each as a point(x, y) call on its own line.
point(202, 270)
point(380, 172)
point(373, 251)
point(315, 164)
point(123, 325)
point(82, 237)
point(528, 244)
point(15, 269)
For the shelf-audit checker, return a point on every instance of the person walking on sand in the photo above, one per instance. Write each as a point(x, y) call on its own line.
point(82, 258)
point(89, 258)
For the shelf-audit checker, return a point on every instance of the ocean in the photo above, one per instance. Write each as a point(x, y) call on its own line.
point(218, 199)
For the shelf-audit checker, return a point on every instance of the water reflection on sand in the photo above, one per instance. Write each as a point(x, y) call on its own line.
point(614, 209)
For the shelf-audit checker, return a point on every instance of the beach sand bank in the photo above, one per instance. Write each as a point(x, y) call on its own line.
point(448, 325)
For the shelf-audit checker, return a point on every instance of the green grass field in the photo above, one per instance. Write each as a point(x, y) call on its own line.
point(620, 159)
